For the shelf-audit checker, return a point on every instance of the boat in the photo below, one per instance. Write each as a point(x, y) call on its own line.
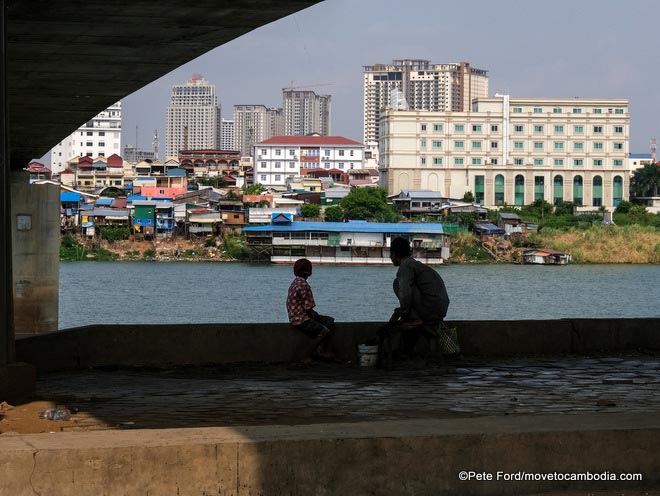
point(546, 256)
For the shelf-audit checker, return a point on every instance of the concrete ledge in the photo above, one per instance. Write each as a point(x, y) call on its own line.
point(420, 457)
point(193, 344)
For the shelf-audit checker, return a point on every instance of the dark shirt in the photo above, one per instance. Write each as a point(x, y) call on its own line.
point(421, 291)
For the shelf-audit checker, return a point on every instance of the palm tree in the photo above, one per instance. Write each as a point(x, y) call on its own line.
point(645, 181)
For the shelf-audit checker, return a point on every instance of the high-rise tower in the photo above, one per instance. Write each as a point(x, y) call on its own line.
point(425, 86)
point(193, 107)
point(305, 112)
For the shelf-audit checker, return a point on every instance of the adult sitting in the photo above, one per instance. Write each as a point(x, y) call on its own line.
point(423, 298)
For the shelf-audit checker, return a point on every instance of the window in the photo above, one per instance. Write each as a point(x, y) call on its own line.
point(598, 111)
point(539, 184)
point(476, 161)
point(494, 128)
point(538, 161)
point(519, 190)
point(578, 129)
point(598, 129)
point(101, 143)
point(437, 161)
point(262, 177)
point(618, 129)
point(479, 189)
point(559, 145)
point(493, 161)
point(292, 165)
point(459, 127)
point(326, 153)
point(293, 152)
point(518, 145)
point(278, 152)
point(597, 191)
point(351, 152)
point(89, 143)
point(618, 111)
point(278, 177)
point(423, 160)
point(538, 145)
point(538, 128)
point(422, 143)
point(518, 128)
point(341, 152)
point(517, 110)
point(459, 144)
point(437, 144)
point(263, 151)
point(493, 144)
point(559, 161)
point(476, 128)
point(263, 165)
point(517, 161)
point(423, 127)
point(326, 165)
point(617, 190)
point(556, 110)
point(476, 144)
point(341, 164)
point(278, 165)
point(499, 189)
point(577, 110)
point(598, 145)
point(618, 146)
point(559, 129)
point(538, 110)
point(437, 127)
point(89, 133)
point(577, 162)
point(598, 162)
point(578, 145)
point(617, 162)
point(577, 190)
point(558, 190)
point(101, 133)
point(458, 161)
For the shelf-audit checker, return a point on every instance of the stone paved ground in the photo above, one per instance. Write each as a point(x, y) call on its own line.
point(278, 394)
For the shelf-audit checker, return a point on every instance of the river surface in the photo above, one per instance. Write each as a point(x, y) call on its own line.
point(159, 293)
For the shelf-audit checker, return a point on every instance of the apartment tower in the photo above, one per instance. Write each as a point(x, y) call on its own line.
point(255, 123)
point(305, 112)
point(425, 86)
point(193, 117)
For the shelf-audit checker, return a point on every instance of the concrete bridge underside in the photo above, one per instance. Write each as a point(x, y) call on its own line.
point(63, 62)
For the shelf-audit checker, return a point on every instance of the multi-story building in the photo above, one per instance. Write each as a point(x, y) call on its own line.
point(227, 134)
point(280, 157)
point(305, 112)
point(98, 137)
point(512, 151)
point(134, 155)
point(193, 117)
point(255, 123)
point(424, 86)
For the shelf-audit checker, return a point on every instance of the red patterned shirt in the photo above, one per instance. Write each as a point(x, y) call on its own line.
point(299, 300)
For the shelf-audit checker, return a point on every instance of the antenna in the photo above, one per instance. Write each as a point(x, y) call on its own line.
point(653, 147)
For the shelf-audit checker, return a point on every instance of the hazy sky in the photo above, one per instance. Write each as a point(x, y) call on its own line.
point(563, 48)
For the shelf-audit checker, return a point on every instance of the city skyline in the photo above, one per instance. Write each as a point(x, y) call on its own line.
point(589, 49)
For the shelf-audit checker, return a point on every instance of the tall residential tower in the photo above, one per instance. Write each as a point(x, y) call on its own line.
point(425, 86)
point(193, 117)
point(305, 112)
point(255, 123)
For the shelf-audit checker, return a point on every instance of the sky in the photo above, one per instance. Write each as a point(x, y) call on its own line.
point(531, 48)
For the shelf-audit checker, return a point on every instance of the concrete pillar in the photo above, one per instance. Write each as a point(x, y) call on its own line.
point(36, 252)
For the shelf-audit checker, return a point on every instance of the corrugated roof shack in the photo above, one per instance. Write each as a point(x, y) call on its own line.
point(511, 223)
point(487, 230)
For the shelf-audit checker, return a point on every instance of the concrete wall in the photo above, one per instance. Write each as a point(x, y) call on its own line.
point(36, 254)
point(169, 344)
point(413, 457)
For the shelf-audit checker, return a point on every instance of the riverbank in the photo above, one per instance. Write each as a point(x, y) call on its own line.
point(601, 244)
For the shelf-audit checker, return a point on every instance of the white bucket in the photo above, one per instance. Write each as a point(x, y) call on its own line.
point(368, 355)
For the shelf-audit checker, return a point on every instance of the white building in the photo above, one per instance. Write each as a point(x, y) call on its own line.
point(280, 157)
point(255, 123)
point(306, 113)
point(512, 150)
point(193, 117)
point(98, 137)
point(425, 86)
point(227, 135)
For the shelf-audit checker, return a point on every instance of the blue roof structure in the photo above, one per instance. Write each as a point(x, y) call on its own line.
point(488, 228)
point(104, 201)
point(640, 155)
point(69, 197)
point(352, 226)
point(176, 172)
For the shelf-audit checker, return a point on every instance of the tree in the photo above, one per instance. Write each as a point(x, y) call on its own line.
point(253, 189)
point(310, 210)
point(565, 208)
point(468, 197)
point(368, 203)
point(645, 181)
point(334, 214)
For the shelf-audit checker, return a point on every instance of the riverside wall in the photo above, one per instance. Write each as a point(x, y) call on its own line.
point(194, 344)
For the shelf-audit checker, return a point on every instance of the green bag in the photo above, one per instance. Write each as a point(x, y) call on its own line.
point(448, 338)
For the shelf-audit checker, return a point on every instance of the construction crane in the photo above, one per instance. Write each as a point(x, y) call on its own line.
point(293, 87)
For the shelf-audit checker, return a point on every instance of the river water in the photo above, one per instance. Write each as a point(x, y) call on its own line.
point(158, 293)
